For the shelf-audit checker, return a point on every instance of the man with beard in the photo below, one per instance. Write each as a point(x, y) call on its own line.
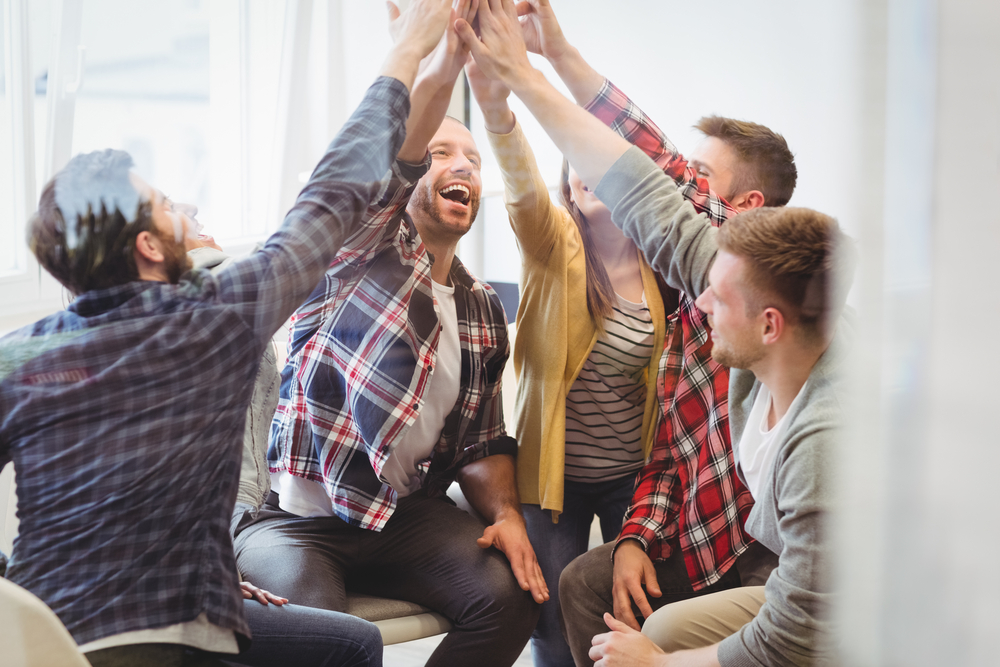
point(391, 392)
point(124, 414)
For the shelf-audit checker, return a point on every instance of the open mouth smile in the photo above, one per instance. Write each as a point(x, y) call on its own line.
point(457, 193)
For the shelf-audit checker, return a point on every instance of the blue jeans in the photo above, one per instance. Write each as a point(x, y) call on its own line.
point(557, 544)
point(308, 637)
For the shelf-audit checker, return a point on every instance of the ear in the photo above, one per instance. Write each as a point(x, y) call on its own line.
point(774, 326)
point(747, 200)
point(148, 249)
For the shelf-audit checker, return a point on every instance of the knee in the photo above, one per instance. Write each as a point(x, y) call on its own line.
point(367, 641)
point(586, 576)
point(502, 600)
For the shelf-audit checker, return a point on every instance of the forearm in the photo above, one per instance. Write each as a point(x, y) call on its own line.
point(402, 63)
point(583, 81)
point(428, 105)
point(489, 484)
point(707, 656)
point(589, 146)
point(327, 210)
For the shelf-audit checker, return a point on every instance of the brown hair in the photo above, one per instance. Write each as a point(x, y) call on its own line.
point(104, 256)
point(600, 293)
point(765, 163)
point(796, 256)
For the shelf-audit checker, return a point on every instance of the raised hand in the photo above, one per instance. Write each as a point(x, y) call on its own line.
point(632, 569)
point(499, 49)
point(421, 25)
point(445, 62)
point(540, 29)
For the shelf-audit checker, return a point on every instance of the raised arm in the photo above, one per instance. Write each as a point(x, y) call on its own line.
point(533, 216)
point(274, 281)
point(645, 204)
point(434, 83)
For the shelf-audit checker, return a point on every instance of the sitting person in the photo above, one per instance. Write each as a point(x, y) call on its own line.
point(582, 460)
point(281, 632)
point(772, 285)
point(124, 414)
point(390, 393)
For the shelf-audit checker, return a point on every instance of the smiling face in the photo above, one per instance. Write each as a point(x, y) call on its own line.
point(736, 336)
point(446, 200)
point(171, 226)
point(716, 162)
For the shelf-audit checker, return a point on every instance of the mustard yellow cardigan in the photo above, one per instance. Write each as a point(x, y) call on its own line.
point(555, 332)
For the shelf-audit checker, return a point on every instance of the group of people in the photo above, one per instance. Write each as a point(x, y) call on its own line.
point(185, 501)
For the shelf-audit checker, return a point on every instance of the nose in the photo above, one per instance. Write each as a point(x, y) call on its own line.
point(462, 165)
point(703, 302)
point(190, 210)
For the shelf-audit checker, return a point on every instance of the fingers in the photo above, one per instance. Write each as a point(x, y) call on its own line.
point(393, 10)
point(529, 575)
point(614, 624)
point(468, 37)
point(623, 604)
point(524, 8)
point(649, 577)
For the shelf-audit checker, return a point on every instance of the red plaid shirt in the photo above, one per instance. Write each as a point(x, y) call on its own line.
point(688, 490)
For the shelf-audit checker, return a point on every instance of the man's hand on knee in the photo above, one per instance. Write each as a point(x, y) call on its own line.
point(508, 534)
point(632, 570)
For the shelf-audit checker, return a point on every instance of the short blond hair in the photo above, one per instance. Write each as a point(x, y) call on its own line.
point(799, 261)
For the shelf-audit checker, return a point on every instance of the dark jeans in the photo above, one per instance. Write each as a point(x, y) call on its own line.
point(286, 635)
point(305, 637)
point(585, 589)
point(426, 553)
point(152, 655)
point(557, 544)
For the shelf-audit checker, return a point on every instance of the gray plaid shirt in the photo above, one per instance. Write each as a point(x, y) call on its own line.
point(124, 414)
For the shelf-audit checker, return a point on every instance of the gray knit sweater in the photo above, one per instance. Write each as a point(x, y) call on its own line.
point(789, 517)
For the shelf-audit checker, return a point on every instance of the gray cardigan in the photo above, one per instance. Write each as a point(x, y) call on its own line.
point(790, 516)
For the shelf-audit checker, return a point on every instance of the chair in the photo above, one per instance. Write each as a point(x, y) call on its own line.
point(31, 634)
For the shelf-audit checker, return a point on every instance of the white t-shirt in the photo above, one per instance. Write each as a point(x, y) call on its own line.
point(758, 444)
point(304, 497)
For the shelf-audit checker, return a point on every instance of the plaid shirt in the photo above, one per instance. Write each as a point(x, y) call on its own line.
point(361, 353)
point(124, 414)
point(688, 490)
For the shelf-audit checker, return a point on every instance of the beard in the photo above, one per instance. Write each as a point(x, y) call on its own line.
point(426, 201)
point(175, 258)
point(736, 356)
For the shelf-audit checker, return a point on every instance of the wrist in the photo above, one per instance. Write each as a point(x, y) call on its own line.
point(525, 81)
point(498, 118)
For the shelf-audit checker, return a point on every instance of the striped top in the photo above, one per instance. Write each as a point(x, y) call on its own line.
point(604, 407)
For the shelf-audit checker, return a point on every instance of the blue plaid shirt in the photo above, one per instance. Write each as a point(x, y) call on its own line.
point(124, 414)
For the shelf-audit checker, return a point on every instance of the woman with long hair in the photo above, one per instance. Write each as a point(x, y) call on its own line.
point(590, 330)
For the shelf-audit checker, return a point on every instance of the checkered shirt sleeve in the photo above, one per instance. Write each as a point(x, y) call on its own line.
point(688, 491)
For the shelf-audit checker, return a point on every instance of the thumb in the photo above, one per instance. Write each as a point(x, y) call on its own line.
point(392, 9)
point(614, 624)
point(486, 541)
point(468, 35)
point(524, 8)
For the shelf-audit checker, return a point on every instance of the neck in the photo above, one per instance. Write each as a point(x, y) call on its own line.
point(612, 245)
point(784, 373)
point(444, 254)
